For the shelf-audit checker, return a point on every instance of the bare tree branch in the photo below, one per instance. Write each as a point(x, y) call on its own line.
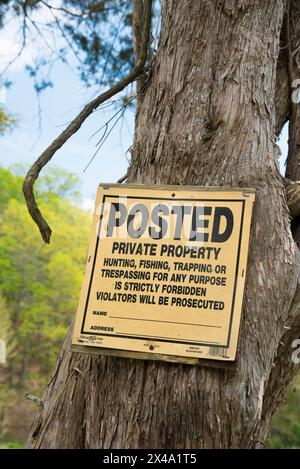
point(32, 397)
point(92, 9)
point(75, 125)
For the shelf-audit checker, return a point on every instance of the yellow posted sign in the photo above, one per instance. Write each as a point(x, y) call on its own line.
point(165, 272)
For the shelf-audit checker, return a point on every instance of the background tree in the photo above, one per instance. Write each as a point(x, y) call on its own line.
point(7, 395)
point(210, 105)
point(38, 288)
point(40, 285)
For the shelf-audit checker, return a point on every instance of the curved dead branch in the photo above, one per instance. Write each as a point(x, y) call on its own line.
point(76, 123)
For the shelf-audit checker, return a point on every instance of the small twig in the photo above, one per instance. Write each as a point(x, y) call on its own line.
point(64, 35)
point(103, 139)
point(39, 32)
point(105, 126)
point(33, 398)
point(75, 125)
point(106, 133)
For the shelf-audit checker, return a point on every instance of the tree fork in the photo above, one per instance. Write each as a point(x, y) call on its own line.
point(76, 123)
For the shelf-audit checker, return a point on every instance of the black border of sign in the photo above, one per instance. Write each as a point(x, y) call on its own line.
point(121, 336)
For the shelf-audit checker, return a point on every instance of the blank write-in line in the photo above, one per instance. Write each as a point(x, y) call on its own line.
point(167, 322)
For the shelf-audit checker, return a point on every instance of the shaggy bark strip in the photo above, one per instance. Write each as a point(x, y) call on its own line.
point(207, 117)
point(74, 126)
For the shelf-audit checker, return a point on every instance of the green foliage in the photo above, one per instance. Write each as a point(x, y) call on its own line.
point(11, 445)
point(7, 403)
point(286, 422)
point(56, 182)
point(7, 120)
point(102, 38)
point(10, 188)
point(40, 283)
point(39, 288)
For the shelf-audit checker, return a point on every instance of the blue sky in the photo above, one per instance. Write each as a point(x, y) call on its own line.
point(59, 105)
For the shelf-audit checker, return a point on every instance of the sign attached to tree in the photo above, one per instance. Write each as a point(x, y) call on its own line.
point(165, 273)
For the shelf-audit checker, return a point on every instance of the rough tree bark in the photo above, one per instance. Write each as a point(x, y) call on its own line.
point(206, 117)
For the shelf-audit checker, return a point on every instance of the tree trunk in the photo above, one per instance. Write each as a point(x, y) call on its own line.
point(207, 117)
